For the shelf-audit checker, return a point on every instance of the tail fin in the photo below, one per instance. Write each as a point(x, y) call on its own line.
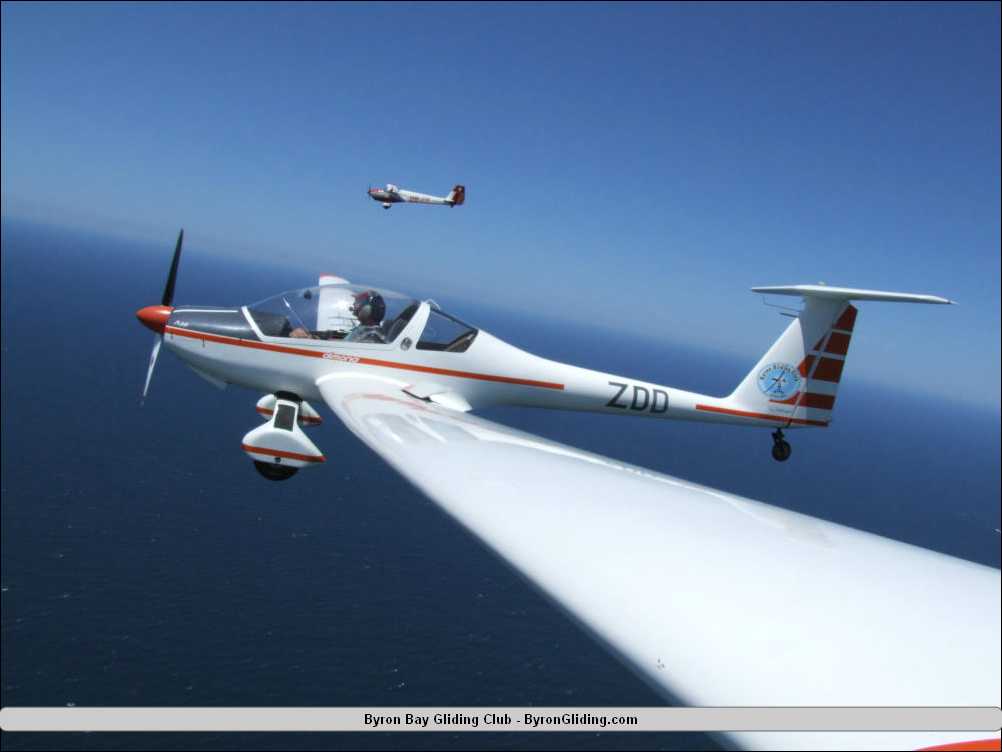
point(457, 195)
point(798, 377)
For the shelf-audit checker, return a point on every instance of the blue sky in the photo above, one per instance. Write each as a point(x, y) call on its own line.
point(639, 166)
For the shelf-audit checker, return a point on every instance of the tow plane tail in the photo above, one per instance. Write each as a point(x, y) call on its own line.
point(456, 196)
point(798, 377)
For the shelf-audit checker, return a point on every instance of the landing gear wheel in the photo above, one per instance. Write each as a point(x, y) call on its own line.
point(273, 471)
point(781, 449)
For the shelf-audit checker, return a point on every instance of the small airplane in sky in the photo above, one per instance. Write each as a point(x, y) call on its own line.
point(714, 598)
point(391, 194)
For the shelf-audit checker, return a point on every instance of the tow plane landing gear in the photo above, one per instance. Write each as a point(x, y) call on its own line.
point(781, 450)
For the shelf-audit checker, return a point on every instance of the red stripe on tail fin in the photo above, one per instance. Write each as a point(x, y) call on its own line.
point(847, 320)
point(820, 401)
point(838, 343)
point(829, 370)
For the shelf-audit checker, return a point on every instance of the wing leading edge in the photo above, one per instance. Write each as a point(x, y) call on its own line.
point(716, 599)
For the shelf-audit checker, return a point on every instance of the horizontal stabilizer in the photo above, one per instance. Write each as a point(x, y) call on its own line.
point(848, 293)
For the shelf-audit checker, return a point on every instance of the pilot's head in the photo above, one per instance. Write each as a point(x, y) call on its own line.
point(369, 308)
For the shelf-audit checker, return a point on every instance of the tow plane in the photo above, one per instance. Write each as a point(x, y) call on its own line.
point(391, 194)
point(716, 599)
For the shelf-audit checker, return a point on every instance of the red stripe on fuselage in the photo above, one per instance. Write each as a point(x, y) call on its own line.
point(282, 453)
point(763, 416)
point(311, 353)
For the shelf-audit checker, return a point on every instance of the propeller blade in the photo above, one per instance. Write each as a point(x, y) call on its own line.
point(168, 298)
point(153, 362)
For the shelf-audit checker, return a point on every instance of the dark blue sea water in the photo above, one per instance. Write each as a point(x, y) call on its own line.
point(145, 563)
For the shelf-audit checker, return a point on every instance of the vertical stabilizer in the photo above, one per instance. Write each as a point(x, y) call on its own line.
point(798, 377)
point(456, 196)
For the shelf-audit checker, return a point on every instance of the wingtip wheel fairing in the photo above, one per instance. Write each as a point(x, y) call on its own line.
point(829, 616)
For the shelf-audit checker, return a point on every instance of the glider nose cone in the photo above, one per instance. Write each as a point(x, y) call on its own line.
point(154, 317)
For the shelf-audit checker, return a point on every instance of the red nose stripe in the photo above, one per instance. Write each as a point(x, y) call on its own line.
point(154, 317)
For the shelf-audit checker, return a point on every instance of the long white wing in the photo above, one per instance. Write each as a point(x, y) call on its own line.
point(718, 600)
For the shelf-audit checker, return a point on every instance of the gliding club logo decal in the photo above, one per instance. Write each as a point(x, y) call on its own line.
point(779, 381)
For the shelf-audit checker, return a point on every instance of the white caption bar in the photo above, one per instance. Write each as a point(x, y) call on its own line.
point(986, 719)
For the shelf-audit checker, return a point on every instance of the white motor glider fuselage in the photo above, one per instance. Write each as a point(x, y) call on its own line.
point(490, 372)
point(432, 356)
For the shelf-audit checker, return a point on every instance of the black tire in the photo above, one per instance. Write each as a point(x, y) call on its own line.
point(273, 471)
point(781, 451)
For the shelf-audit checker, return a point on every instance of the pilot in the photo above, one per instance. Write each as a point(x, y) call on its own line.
point(369, 308)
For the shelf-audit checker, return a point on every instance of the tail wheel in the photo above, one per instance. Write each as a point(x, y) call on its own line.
point(781, 449)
